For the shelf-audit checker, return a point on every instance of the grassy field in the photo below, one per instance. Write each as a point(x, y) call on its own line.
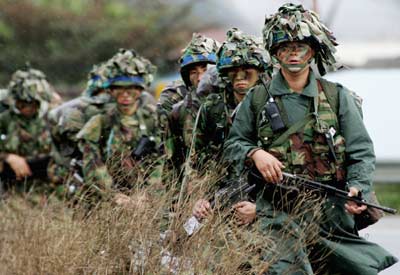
point(54, 238)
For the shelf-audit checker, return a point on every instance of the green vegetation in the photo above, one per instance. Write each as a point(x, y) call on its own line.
point(65, 38)
point(389, 195)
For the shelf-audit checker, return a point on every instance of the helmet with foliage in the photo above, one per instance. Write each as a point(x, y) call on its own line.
point(241, 50)
point(97, 82)
point(126, 68)
point(96, 78)
point(294, 23)
point(30, 85)
point(201, 49)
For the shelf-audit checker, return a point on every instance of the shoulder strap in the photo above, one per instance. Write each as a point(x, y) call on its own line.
point(331, 92)
point(297, 126)
point(259, 98)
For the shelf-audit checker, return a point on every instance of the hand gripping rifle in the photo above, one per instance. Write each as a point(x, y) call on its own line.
point(370, 216)
point(234, 192)
point(332, 191)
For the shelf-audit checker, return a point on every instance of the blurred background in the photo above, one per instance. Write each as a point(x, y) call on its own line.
point(65, 38)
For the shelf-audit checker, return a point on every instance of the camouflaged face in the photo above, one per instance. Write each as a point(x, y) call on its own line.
point(240, 49)
point(200, 49)
point(126, 68)
point(294, 23)
point(29, 85)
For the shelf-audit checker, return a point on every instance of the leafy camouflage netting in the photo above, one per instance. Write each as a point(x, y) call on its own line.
point(241, 50)
point(294, 23)
point(199, 49)
point(30, 84)
point(123, 69)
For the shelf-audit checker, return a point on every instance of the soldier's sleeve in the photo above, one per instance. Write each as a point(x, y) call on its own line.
point(359, 147)
point(200, 130)
point(94, 169)
point(166, 101)
point(242, 137)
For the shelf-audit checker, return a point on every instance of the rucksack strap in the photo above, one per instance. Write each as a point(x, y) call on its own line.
point(259, 98)
point(331, 92)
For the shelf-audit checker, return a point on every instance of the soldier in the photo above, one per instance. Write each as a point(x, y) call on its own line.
point(25, 142)
point(305, 125)
point(240, 61)
point(110, 142)
point(69, 118)
point(196, 56)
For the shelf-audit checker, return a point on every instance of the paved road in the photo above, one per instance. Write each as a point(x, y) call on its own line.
point(386, 233)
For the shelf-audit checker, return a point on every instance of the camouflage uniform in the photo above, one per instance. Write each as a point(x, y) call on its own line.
point(69, 118)
point(26, 137)
point(304, 149)
point(107, 140)
point(50, 98)
point(217, 112)
point(178, 103)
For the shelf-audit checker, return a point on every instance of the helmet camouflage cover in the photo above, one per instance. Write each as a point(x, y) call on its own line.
point(30, 85)
point(96, 78)
point(241, 50)
point(294, 23)
point(126, 68)
point(201, 49)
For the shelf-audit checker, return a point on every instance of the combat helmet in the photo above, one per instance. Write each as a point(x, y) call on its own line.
point(29, 85)
point(97, 81)
point(294, 23)
point(201, 49)
point(241, 50)
point(127, 68)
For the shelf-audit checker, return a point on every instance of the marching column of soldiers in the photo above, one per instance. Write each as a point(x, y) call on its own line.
point(246, 104)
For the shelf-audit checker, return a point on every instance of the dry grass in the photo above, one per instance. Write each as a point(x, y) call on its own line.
point(56, 239)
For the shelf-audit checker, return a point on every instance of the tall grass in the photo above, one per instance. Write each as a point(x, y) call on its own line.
point(142, 237)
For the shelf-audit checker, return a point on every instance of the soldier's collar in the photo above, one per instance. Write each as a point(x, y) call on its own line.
point(279, 86)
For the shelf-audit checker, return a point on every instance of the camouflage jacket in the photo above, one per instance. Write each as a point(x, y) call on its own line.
point(68, 119)
point(215, 120)
point(182, 121)
point(107, 142)
point(28, 138)
point(171, 95)
point(306, 148)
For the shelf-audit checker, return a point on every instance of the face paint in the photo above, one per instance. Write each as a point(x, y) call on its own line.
point(126, 98)
point(242, 78)
point(294, 56)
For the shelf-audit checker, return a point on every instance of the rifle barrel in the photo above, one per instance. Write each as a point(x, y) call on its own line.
point(337, 192)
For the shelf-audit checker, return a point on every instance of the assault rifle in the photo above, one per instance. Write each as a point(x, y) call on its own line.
point(145, 147)
point(234, 192)
point(293, 183)
point(332, 191)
